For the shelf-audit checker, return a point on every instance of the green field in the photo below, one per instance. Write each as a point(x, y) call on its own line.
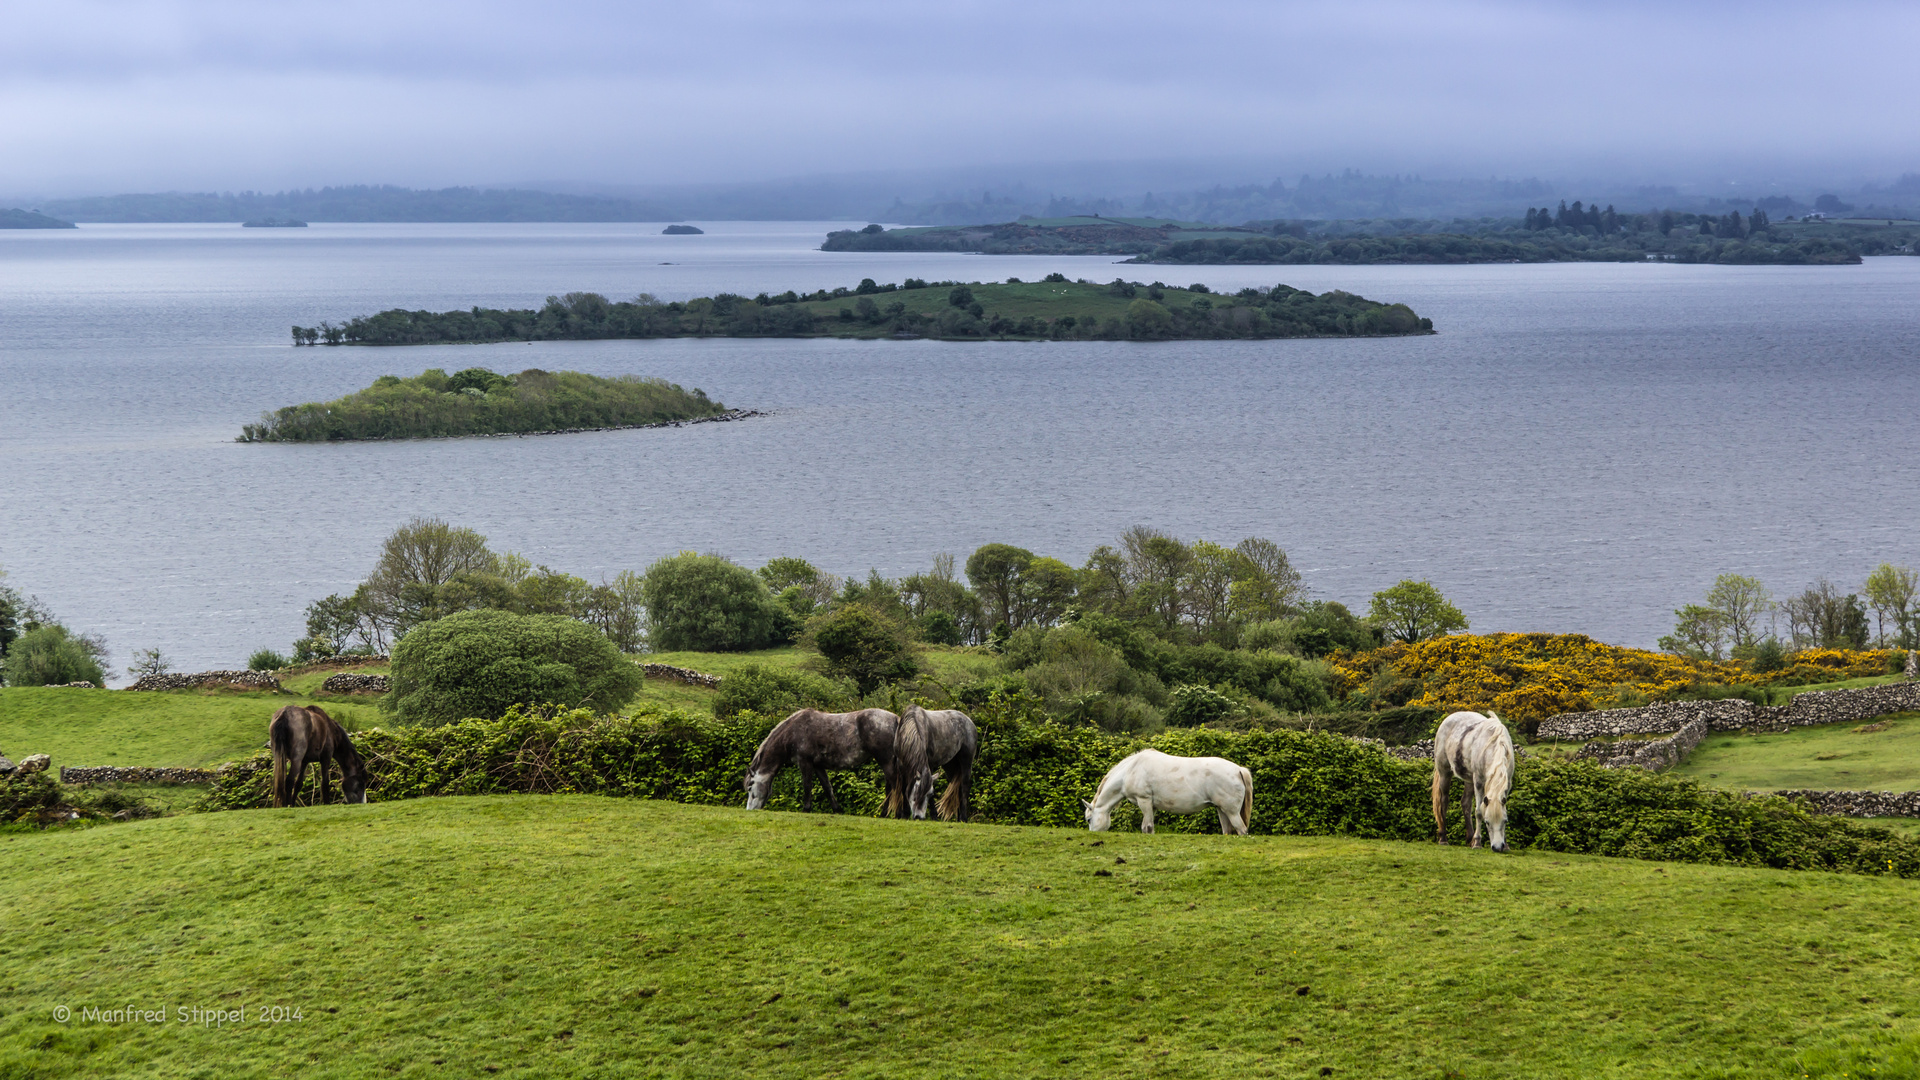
point(579, 936)
point(176, 728)
point(1837, 756)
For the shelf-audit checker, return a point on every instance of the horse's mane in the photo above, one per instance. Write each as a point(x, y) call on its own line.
point(779, 739)
point(1500, 768)
point(909, 756)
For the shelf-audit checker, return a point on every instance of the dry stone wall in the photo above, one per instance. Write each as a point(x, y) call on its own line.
point(109, 774)
point(1655, 754)
point(1856, 803)
point(349, 682)
point(681, 675)
point(1732, 714)
point(250, 680)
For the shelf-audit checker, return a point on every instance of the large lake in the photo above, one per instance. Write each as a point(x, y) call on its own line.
point(1581, 448)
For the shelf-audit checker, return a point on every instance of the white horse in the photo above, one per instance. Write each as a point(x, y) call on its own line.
point(1174, 785)
point(1478, 750)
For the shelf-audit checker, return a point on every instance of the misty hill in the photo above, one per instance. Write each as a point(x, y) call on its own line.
point(360, 203)
point(31, 219)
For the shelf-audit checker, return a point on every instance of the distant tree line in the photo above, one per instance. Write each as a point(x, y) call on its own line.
point(1529, 246)
point(1741, 617)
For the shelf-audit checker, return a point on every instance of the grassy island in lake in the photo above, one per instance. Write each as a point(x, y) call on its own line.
point(479, 402)
point(1054, 308)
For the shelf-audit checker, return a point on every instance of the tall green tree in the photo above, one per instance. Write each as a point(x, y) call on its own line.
point(1743, 601)
point(1414, 611)
point(994, 572)
point(1891, 591)
point(1700, 633)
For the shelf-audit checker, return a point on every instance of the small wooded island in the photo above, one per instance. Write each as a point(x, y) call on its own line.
point(17, 218)
point(480, 402)
point(683, 230)
point(1050, 309)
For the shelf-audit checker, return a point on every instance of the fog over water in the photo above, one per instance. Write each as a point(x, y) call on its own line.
point(1581, 448)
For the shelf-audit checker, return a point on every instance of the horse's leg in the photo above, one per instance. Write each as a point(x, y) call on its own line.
point(1467, 802)
point(1146, 814)
point(806, 786)
point(326, 780)
point(826, 785)
point(1439, 805)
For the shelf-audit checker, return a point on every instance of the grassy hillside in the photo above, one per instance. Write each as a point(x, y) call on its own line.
point(1826, 756)
point(124, 727)
point(574, 936)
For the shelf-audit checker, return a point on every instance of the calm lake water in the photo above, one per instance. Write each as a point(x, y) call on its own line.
point(1581, 448)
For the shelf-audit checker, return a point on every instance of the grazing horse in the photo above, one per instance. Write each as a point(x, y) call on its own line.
point(1478, 750)
point(818, 741)
point(302, 735)
point(945, 739)
point(1174, 785)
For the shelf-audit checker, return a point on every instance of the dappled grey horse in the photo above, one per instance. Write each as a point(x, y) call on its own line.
point(817, 742)
point(1479, 751)
point(933, 739)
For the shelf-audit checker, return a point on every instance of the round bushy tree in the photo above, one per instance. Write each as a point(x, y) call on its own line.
point(52, 656)
point(864, 645)
point(480, 663)
point(706, 603)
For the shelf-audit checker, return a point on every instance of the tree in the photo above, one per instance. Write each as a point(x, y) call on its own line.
point(149, 662)
point(1156, 563)
point(1148, 320)
point(864, 645)
point(1701, 633)
point(1742, 601)
point(1414, 611)
point(994, 572)
point(618, 608)
point(427, 569)
point(1891, 591)
point(480, 663)
point(1823, 617)
point(960, 297)
point(706, 603)
point(332, 622)
point(52, 655)
point(1269, 586)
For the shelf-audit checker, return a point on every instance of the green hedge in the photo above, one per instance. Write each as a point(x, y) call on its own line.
point(1035, 772)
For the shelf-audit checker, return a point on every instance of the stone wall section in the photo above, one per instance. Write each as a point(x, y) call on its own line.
point(349, 682)
point(681, 675)
point(1732, 714)
point(109, 774)
point(1856, 803)
point(246, 680)
point(1656, 755)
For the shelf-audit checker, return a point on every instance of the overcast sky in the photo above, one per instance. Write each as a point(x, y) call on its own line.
point(103, 95)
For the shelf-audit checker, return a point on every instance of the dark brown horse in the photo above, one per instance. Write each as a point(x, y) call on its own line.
point(302, 735)
point(817, 741)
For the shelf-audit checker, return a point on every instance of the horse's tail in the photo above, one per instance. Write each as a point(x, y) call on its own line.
point(279, 737)
point(1246, 803)
point(909, 757)
point(953, 801)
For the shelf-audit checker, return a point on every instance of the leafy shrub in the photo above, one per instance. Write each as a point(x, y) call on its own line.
point(1192, 704)
point(777, 692)
point(30, 797)
point(864, 645)
point(480, 663)
point(266, 660)
point(706, 603)
point(1035, 772)
point(939, 628)
point(52, 656)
